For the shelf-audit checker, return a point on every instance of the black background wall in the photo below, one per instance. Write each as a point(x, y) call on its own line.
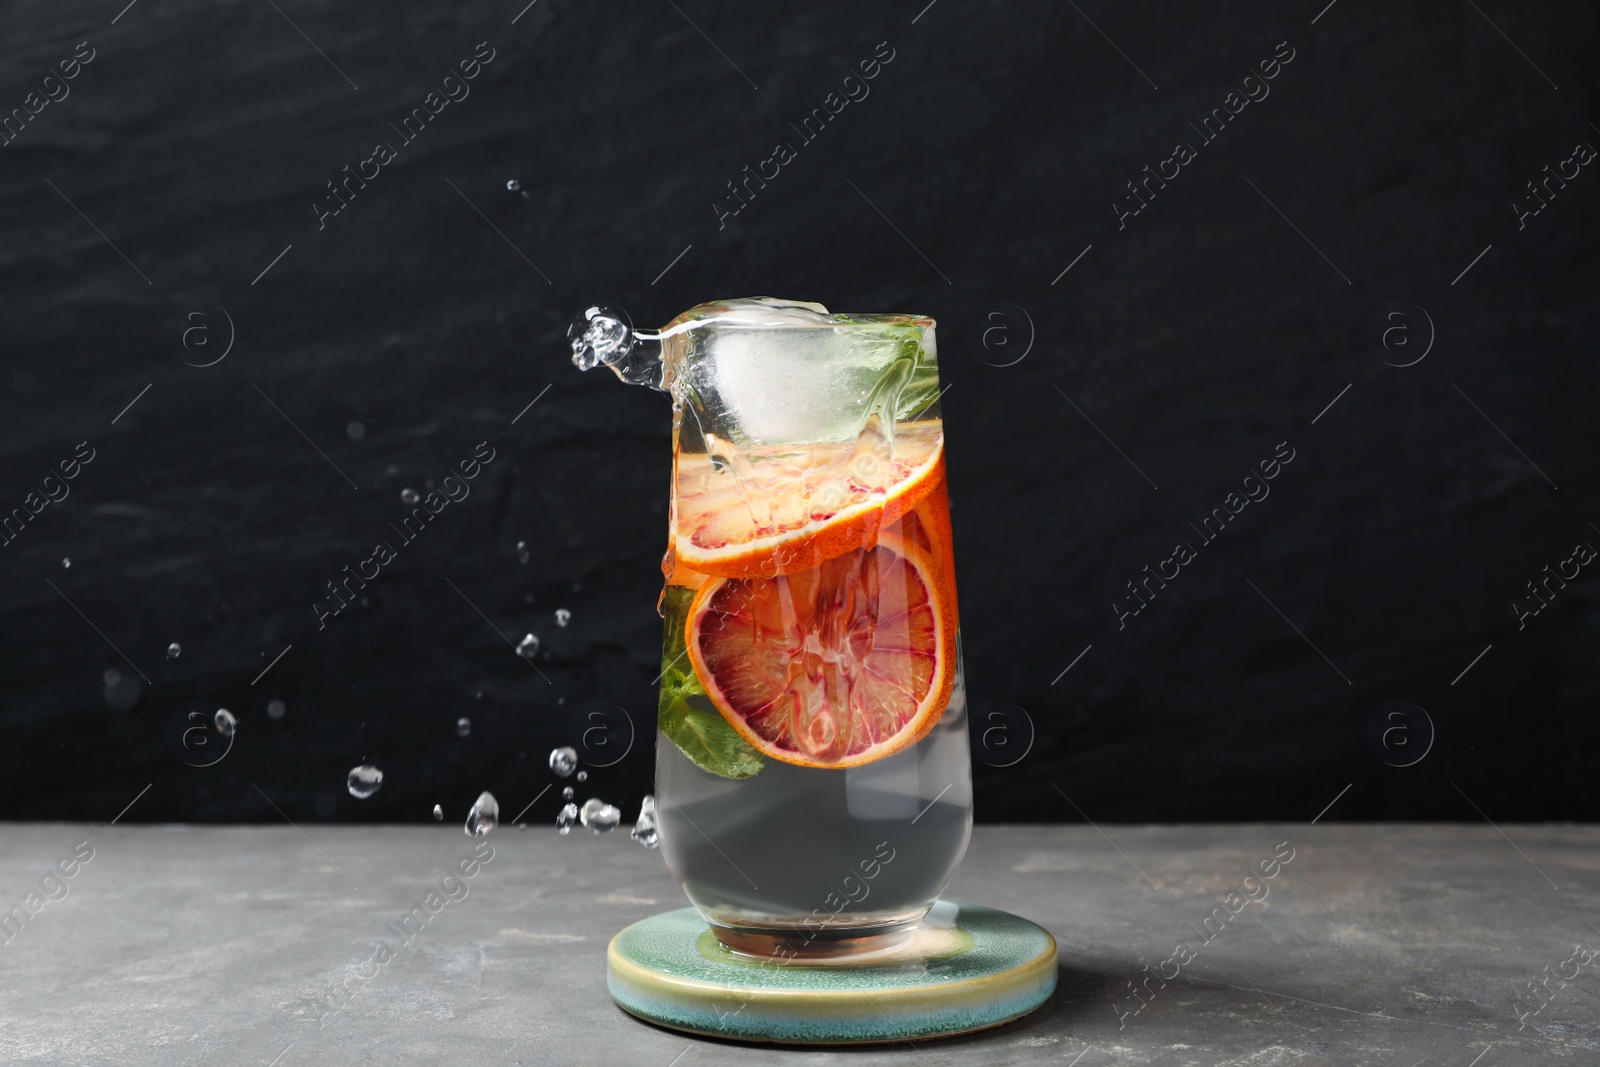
point(1111, 381)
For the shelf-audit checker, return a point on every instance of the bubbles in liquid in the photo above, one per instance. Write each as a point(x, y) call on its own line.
point(438, 813)
point(513, 186)
point(463, 726)
point(564, 761)
point(522, 552)
point(363, 781)
point(644, 827)
point(563, 616)
point(566, 793)
point(224, 722)
point(174, 650)
point(276, 708)
point(484, 816)
point(66, 563)
point(567, 816)
point(583, 776)
point(528, 646)
point(600, 817)
point(409, 497)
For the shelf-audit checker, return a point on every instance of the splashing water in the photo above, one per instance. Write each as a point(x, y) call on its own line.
point(600, 817)
point(563, 616)
point(523, 553)
point(564, 761)
point(463, 726)
point(644, 827)
point(276, 709)
point(568, 816)
point(528, 646)
point(174, 650)
point(438, 813)
point(224, 721)
point(363, 781)
point(484, 816)
point(409, 497)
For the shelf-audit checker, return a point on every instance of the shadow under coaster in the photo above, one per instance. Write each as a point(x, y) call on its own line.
point(966, 968)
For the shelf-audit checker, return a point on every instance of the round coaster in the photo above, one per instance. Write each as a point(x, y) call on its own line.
point(967, 968)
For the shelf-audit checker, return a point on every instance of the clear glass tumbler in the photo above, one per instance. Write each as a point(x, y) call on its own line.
point(813, 777)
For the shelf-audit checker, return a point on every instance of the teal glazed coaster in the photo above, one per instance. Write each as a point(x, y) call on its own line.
point(967, 968)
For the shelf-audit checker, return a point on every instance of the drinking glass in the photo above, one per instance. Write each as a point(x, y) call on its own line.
point(813, 777)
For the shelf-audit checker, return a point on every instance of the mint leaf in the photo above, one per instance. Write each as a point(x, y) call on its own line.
point(700, 732)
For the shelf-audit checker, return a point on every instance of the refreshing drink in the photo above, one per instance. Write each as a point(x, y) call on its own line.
point(812, 774)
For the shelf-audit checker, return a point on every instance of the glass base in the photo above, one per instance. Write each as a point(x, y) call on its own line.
point(816, 943)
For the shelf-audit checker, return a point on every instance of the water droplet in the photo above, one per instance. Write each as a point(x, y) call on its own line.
point(276, 708)
point(568, 816)
point(522, 552)
point(583, 776)
point(566, 793)
point(522, 827)
point(174, 650)
point(484, 816)
point(66, 563)
point(355, 430)
point(600, 817)
point(364, 781)
point(408, 497)
point(644, 827)
point(513, 186)
point(564, 761)
point(528, 646)
point(112, 676)
point(563, 616)
point(438, 813)
point(225, 722)
point(121, 693)
point(463, 726)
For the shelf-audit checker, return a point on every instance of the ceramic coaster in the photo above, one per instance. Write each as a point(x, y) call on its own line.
point(966, 968)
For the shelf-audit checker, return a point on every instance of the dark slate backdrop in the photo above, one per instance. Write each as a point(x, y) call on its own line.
point(141, 211)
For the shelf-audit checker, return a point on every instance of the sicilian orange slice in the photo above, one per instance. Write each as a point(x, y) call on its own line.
point(778, 510)
point(834, 666)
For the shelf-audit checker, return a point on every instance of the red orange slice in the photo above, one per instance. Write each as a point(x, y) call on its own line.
point(791, 509)
point(835, 666)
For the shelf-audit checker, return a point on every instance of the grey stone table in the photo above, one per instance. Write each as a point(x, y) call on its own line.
point(1398, 945)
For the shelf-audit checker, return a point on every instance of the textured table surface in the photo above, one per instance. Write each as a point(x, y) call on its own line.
point(1395, 945)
